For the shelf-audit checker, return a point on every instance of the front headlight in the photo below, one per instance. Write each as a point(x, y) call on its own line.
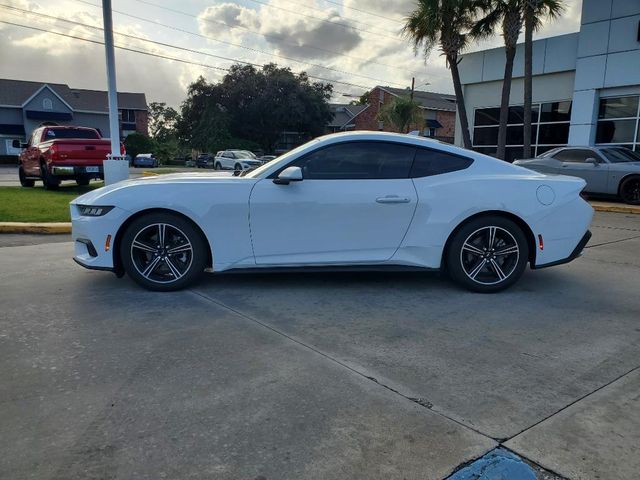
point(93, 210)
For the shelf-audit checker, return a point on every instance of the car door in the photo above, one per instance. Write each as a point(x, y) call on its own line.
point(31, 157)
point(579, 162)
point(353, 205)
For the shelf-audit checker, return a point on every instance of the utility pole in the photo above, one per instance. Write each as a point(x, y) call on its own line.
point(413, 86)
point(115, 166)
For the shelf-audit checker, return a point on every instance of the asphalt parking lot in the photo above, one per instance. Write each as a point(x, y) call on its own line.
point(319, 376)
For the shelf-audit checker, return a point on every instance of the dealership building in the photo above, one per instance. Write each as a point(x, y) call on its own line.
point(586, 85)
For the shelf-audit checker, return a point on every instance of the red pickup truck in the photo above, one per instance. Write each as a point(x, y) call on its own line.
point(62, 153)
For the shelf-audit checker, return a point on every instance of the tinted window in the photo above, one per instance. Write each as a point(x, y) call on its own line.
point(70, 133)
point(621, 107)
point(575, 155)
point(358, 160)
point(556, 112)
point(616, 131)
point(618, 155)
point(433, 162)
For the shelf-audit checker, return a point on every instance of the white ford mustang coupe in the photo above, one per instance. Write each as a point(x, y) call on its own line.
point(348, 200)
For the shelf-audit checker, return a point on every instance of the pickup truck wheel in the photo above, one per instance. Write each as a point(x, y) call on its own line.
point(24, 181)
point(48, 181)
point(163, 252)
point(82, 181)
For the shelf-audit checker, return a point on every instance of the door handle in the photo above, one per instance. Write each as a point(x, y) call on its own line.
point(393, 199)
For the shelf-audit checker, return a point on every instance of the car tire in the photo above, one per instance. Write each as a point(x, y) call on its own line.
point(148, 258)
point(487, 254)
point(217, 166)
point(48, 181)
point(83, 181)
point(237, 169)
point(24, 181)
point(630, 190)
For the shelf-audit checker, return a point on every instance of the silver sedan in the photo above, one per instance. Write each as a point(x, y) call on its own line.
point(607, 170)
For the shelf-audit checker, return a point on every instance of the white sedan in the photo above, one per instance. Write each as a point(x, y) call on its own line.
point(358, 199)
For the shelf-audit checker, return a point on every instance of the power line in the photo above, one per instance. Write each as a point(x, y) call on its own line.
point(166, 57)
point(265, 35)
point(363, 11)
point(199, 35)
point(317, 9)
point(344, 25)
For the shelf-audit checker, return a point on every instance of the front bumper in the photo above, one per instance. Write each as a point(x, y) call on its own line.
point(574, 254)
point(90, 234)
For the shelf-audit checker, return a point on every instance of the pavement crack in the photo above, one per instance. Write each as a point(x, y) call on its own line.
point(612, 241)
point(418, 400)
point(570, 404)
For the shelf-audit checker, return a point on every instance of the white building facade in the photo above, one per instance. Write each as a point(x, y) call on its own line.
point(586, 85)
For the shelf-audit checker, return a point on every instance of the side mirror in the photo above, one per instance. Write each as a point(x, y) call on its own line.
point(593, 161)
point(288, 175)
point(18, 144)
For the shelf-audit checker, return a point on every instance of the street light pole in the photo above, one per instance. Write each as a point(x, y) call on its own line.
point(115, 167)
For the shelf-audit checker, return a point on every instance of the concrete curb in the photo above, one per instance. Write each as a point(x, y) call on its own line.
point(615, 208)
point(26, 227)
point(65, 227)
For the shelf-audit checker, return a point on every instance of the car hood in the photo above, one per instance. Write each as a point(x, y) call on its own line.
point(96, 196)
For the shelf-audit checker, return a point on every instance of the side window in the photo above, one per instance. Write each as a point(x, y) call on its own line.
point(575, 155)
point(433, 162)
point(358, 161)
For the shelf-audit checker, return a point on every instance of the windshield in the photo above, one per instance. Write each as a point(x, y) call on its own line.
point(281, 160)
point(619, 155)
point(244, 154)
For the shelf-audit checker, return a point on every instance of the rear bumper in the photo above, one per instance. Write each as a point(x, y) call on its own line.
point(72, 171)
point(574, 254)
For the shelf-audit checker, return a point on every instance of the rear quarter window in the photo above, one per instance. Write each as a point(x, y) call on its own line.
point(433, 162)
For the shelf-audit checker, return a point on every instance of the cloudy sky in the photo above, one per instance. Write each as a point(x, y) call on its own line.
point(356, 42)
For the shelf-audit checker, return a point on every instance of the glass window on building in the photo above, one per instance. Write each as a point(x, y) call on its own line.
point(619, 122)
point(549, 128)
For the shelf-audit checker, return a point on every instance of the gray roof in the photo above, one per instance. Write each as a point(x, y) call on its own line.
point(429, 100)
point(343, 113)
point(16, 92)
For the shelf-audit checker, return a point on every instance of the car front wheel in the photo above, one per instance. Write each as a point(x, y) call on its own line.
point(488, 254)
point(630, 191)
point(163, 252)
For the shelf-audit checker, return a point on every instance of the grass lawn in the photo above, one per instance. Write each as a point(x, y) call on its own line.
point(19, 204)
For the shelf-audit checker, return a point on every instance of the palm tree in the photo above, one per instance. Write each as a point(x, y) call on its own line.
point(445, 23)
point(534, 12)
point(402, 112)
point(509, 14)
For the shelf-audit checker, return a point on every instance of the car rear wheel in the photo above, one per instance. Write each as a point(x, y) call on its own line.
point(24, 181)
point(488, 254)
point(163, 252)
point(49, 182)
point(630, 191)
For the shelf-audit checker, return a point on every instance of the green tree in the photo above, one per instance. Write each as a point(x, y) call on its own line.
point(507, 14)
point(446, 23)
point(162, 121)
point(262, 103)
point(402, 112)
point(534, 12)
point(203, 123)
point(136, 143)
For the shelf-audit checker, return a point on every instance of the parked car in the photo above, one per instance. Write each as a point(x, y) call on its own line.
point(204, 160)
point(607, 170)
point(145, 160)
point(237, 160)
point(357, 199)
point(57, 153)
